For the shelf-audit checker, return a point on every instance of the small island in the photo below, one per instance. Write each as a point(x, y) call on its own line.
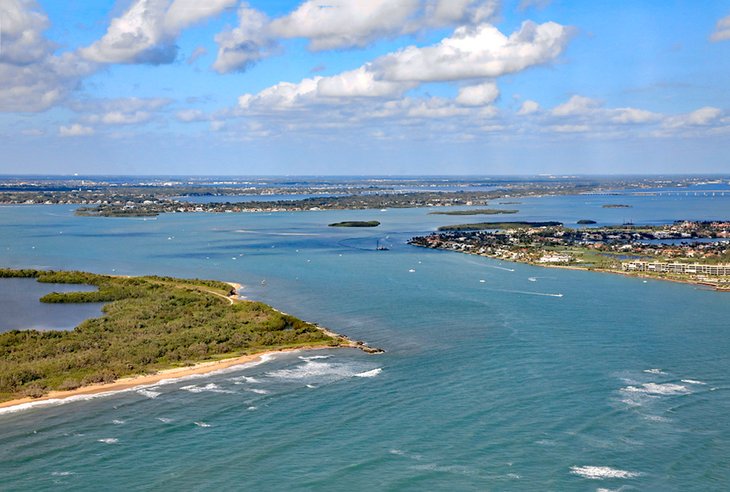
point(586, 222)
point(616, 205)
point(478, 211)
point(356, 223)
point(152, 328)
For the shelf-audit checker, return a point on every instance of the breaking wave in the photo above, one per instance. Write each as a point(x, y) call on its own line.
point(601, 472)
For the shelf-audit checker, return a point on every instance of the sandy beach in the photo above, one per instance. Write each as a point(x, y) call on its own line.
point(174, 373)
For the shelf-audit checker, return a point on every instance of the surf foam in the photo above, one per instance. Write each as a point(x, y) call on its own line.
point(601, 472)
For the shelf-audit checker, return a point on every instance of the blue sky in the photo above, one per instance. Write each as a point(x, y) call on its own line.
point(364, 87)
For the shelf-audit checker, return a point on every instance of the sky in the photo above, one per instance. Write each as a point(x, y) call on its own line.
point(381, 87)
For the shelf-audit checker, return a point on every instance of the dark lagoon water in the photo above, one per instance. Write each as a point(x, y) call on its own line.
point(490, 381)
point(21, 308)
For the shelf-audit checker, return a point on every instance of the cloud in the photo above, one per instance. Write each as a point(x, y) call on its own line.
point(340, 24)
point(146, 32)
point(197, 53)
point(483, 52)
point(122, 111)
point(478, 95)
point(32, 78)
point(478, 52)
point(22, 33)
point(240, 48)
point(700, 117)
point(528, 107)
point(633, 115)
point(722, 30)
point(576, 106)
point(191, 115)
point(75, 130)
point(344, 23)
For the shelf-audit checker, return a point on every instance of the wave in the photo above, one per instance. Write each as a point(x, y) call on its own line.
point(657, 389)
point(318, 371)
point(208, 388)
point(202, 424)
point(244, 379)
point(108, 440)
point(693, 381)
point(654, 371)
point(165, 420)
point(76, 398)
point(314, 357)
point(149, 393)
point(62, 474)
point(117, 422)
point(601, 472)
point(258, 391)
point(369, 374)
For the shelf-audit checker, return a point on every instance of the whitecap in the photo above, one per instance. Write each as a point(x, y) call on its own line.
point(117, 422)
point(601, 472)
point(693, 381)
point(314, 357)
point(369, 374)
point(108, 440)
point(657, 389)
point(202, 424)
point(149, 393)
point(654, 371)
point(208, 388)
point(311, 386)
point(164, 420)
point(251, 408)
point(62, 474)
point(318, 371)
point(244, 379)
point(258, 391)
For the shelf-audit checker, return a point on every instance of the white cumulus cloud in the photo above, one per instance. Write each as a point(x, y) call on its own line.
point(478, 52)
point(478, 95)
point(340, 24)
point(146, 32)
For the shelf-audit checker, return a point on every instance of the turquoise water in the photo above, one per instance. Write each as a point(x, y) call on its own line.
point(494, 385)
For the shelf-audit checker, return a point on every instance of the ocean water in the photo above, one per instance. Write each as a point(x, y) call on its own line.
point(490, 381)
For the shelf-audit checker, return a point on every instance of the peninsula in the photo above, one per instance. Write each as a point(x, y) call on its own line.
point(685, 251)
point(152, 328)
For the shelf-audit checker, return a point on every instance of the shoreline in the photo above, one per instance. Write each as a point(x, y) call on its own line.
point(144, 380)
point(596, 270)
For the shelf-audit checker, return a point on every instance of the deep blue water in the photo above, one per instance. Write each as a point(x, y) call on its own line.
point(493, 385)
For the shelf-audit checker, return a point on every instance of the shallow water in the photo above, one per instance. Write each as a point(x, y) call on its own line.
point(485, 385)
point(21, 308)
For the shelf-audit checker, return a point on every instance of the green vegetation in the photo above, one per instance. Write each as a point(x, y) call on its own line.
point(585, 222)
point(497, 225)
point(479, 211)
point(149, 324)
point(356, 223)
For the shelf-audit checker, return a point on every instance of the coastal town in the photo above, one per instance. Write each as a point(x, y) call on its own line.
point(687, 251)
